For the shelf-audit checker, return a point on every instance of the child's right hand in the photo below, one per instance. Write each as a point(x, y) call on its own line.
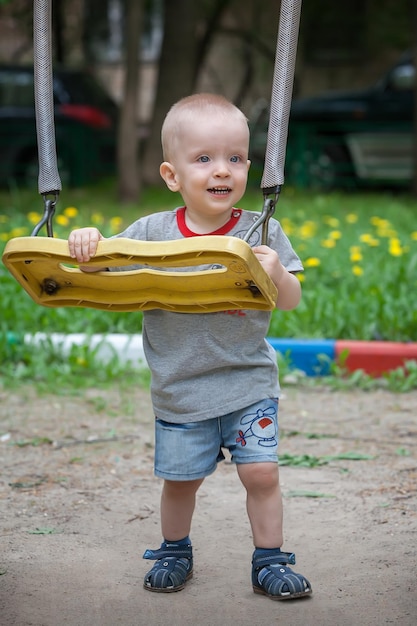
point(83, 242)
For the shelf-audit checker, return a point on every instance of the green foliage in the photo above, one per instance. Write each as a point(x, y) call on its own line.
point(308, 460)
point(51, 370)
point(302, 493)
point(359, 253)
point(44, 531)
point(360, 258)
point(399, 380)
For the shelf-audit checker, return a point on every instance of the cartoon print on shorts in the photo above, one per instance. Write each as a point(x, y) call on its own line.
point(261, 426)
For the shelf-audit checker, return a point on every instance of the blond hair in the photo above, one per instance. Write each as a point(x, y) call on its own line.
point(183, 110)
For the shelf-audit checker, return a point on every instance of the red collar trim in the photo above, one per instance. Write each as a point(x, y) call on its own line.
point(186, 232)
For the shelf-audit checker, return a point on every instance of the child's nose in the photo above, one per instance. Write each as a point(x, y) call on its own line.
point(222, 168)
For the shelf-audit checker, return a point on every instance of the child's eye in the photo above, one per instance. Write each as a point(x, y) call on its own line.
point(235, 158)
point(204, 158)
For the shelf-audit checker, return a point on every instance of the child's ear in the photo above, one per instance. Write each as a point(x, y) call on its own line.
point(168, 173)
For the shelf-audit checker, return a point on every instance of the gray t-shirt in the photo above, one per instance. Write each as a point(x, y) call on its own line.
point(206, 365)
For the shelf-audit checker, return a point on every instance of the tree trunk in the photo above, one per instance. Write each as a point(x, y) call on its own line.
point(129, 182)
point(414, 44)
point(211, 27)
point(176, 75)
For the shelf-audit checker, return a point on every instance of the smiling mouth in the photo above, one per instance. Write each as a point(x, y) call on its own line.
point(220, 191)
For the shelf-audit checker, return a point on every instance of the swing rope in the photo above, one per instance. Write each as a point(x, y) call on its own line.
point(49, 182)
point(282, 86)
point(45, 270)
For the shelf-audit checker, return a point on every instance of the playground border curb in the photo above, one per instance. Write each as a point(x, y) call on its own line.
point(312, 356)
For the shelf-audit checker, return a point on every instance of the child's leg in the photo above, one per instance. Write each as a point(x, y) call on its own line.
point(271, 575)
point(174, 559)
point(184, 454)
point(177, 508)
point(263, 502)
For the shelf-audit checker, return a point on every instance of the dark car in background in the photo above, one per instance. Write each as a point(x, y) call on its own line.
point(352, 138)
point(85, 127)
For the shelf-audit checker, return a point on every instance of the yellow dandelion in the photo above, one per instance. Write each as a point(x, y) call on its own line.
point(331, 221)
point(356, 256)
point(335, 234)
point(4, 236)
point(97, 218)
point(312, 261)
point(4, 219)
point(357, 270)
point(20, 231)
point(351, 218)
point(413, 234)
point(62, 220)
point(379, 222)
point(386, 232)
point(34, 217)
point(71, 211)
point(115, 223)
point(395, 248)
point(308, 230)
point(370, 240)
point(287, 225)
point(383, 227)
point(328, 243)
point(301, 277)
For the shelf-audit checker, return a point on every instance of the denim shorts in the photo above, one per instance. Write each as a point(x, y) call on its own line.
point(191, 451)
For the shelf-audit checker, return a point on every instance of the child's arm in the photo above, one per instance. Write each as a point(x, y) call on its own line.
point(288, 285)
point(82, 244)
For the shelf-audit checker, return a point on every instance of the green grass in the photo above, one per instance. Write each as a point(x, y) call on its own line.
point(360, 255)
point(50, 370)
point(359, 252)
point(360, 281)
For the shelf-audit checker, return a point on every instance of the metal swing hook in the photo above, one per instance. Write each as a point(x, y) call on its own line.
point(271, 196)
point(48, 213)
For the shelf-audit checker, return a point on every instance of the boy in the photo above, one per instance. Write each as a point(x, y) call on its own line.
point(214, 376)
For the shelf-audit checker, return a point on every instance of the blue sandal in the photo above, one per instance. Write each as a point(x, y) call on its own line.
point(272, 578)
point(173, 567)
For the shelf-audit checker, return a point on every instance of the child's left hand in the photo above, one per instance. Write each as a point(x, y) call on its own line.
point(288, 285)
point(270, 261)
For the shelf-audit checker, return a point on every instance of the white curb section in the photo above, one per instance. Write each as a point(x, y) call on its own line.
point(127, 348)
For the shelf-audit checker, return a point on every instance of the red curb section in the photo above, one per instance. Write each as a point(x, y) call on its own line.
point(374, 357)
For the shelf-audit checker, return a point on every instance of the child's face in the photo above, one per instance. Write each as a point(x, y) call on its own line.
point(209, 165)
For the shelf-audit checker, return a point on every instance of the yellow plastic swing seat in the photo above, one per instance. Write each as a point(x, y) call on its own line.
point(44, 268)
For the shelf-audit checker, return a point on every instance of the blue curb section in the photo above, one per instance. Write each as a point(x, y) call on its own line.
point(312, 356)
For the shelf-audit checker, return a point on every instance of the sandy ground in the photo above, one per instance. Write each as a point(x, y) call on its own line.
point(79, 505)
